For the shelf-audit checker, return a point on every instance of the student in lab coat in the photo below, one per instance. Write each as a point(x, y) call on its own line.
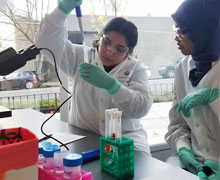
point(194, 128)
point(113, 79)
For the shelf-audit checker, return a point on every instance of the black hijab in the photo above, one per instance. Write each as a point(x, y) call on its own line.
point(200, 21)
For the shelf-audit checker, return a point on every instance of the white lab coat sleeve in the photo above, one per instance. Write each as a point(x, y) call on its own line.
point(215, 106)
point(179, 133)
point(51, 35)
point(134, 100)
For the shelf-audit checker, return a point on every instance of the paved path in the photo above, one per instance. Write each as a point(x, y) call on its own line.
point(156, 122)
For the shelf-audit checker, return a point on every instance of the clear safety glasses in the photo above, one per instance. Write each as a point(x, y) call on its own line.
point(118, 51)
point(178, 32)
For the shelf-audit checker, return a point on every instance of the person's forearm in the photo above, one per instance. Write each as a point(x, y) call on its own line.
point(183, 143)
point(51, 35)
point(178, 134)
point(215, 106)
point(134, 104)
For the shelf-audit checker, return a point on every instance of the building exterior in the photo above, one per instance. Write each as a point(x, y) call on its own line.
point(156, 45)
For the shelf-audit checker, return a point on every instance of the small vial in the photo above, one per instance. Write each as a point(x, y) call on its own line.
point(40, 156)
point(113, 122)
point(108, 125)
point(49, 157)
point(40, 152)
point(117, 115)
point(72, 166)
point(58, 162)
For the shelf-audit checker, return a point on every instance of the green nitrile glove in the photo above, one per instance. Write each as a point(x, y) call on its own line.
point(215, 166)
point(187, 158)
point(202, 96)
point(66, 6)
point(98, 77)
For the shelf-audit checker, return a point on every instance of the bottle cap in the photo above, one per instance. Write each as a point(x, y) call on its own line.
point(108, 112)
point(72, 160)
point(43, 145)
point(40, 150)
point(114, 109)
point(48, 152)
point(117, 113)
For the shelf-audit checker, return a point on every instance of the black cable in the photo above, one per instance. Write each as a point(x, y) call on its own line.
point(42, 125)
point(55, 65)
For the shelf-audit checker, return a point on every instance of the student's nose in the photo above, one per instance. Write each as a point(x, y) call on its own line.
point(110, 51)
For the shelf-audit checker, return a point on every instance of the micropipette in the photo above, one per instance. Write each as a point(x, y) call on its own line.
point(86, 49)
point(79, 17)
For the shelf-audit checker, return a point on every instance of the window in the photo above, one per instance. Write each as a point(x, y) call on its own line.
point(156, 48)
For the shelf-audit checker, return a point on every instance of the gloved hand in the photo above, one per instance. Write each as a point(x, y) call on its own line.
point(66, 6)
point(215, 166)
point(202, 96)
point(98, 77)
point(187, 158)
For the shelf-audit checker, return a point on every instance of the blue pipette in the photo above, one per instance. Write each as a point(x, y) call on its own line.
point(90, 155)
point(79, 17)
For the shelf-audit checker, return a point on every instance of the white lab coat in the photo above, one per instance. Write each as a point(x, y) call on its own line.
point(201, 131)
point(89, 102)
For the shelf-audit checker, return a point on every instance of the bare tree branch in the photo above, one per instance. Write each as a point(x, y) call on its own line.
point(105, 8)
point(125, 5)
point(25, 20)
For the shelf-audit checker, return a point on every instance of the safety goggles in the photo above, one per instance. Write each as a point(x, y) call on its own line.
point(118, 51)
point(178, 32)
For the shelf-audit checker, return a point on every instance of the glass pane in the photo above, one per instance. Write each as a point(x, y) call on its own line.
point(156, 48)
point(32, 84)
point(40, 90)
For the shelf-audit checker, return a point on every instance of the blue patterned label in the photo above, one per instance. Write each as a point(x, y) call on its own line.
point(126, 73)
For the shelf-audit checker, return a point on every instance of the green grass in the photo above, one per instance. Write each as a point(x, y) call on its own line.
point(52, 104)
point(38, 105)
point(165, 97)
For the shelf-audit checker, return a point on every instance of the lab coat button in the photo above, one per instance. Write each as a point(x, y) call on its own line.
point(197, 124)
point(207, 150)
point(101, 100)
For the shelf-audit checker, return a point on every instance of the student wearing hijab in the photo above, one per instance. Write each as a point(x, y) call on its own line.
point(194, 131)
